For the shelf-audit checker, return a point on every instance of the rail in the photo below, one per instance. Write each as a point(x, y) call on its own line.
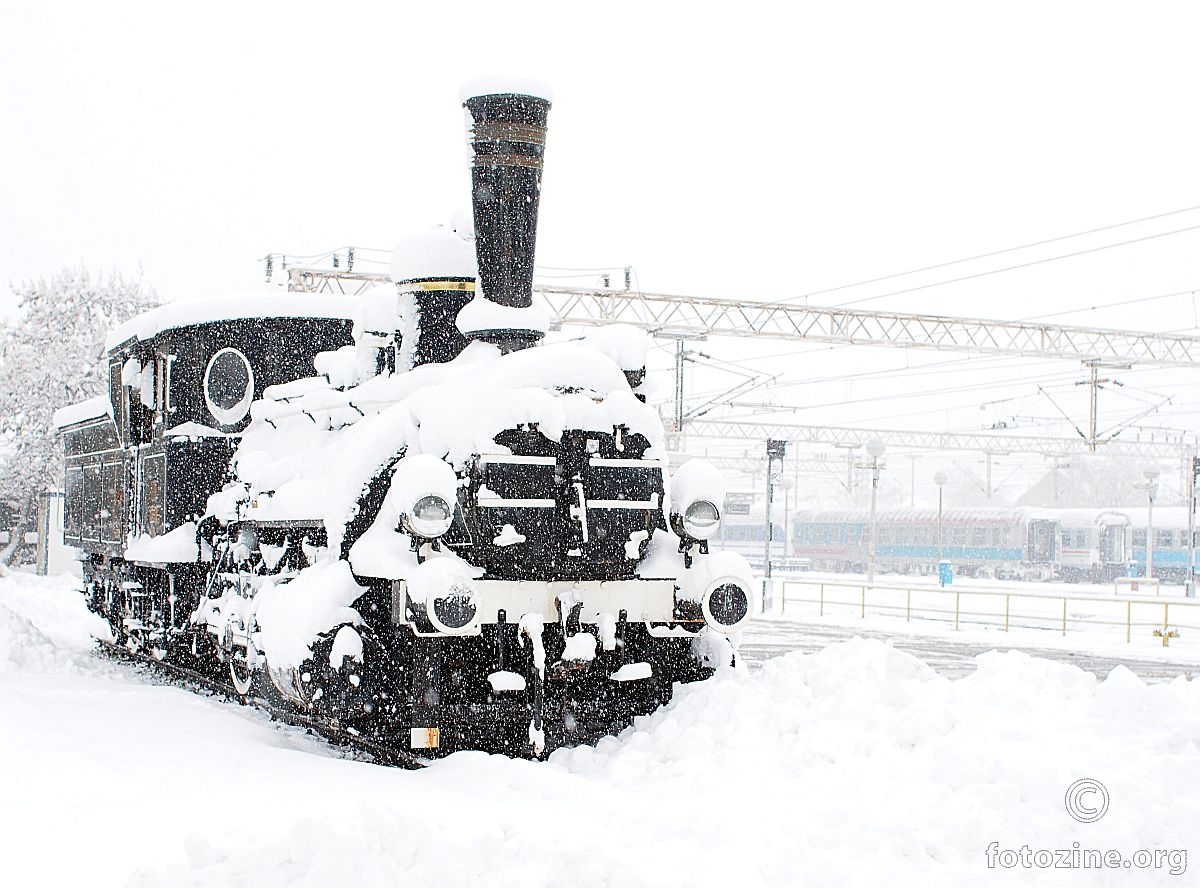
point(1001, 608)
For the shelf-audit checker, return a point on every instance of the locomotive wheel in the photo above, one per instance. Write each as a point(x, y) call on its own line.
point(240, 672)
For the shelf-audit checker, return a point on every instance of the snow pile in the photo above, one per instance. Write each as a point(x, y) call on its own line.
point(854, 766)
point(291, 615)
point(435, 255)
point(696, 479)
point(186, 312)
point(178, 546)
point(92, 408)
point(312, 450)
point(45, 625)
point(24, 648)
point(627, 346)
point(482, 315)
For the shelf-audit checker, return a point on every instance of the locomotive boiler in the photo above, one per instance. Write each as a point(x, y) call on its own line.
point(451, 535)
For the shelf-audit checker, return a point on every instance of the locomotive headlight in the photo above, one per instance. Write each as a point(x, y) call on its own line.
point(726, 604)
point(429, 517)
point(697, 494)
point(698, 521)
point(454, 611)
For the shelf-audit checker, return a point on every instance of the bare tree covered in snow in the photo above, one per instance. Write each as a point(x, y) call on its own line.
point(52, 355)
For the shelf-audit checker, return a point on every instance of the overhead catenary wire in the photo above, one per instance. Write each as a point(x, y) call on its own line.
point(1000, 252)
point(1030, 264)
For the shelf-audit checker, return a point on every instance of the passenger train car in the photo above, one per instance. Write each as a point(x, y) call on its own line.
point(1077, 545)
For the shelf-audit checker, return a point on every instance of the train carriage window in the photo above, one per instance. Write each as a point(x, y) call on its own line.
point(920, 535)
point(999, 536)
point(91, 503)
point(1164, 539)
point(153, 496)
point(979, 536)
point(228, 386)
point(1139, 536)
point(959, 536)
point(117, 396)
point(885, 536)
point(901, 536)
point(113, 504)
point(1081, 539)
point(73, 515)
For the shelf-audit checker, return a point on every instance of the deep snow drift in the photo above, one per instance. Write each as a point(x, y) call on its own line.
point(854, 766)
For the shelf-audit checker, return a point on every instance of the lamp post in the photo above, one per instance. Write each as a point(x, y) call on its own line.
point(940, 478)
point(875, 450)
point(787, 484)
point(1151, 475)
point(775, 453)
point(1190, 586)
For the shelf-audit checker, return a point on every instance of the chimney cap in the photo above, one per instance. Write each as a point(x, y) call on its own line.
point(502, 86)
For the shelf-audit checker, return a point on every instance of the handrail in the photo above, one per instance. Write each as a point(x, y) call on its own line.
point(1061, 619)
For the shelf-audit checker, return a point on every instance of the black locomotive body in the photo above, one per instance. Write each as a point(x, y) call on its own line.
point(447, 538)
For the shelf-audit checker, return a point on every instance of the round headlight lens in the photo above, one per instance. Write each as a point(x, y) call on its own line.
point(700, 519)
point(430, 516)
point(728, 605)
point(455, 609)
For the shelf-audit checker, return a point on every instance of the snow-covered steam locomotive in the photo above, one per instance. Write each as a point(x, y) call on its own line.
point(447, 538)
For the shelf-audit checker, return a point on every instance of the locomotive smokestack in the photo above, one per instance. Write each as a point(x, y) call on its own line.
point(508, 139)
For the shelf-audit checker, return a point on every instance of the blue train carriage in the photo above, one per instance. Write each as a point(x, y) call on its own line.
point(743, 529)
point(1170, 528)
point(142, 460)
point(1003, 543)
point(1094, 544)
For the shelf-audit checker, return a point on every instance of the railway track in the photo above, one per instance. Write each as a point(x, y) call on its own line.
point(765, 639)
point(193, 680)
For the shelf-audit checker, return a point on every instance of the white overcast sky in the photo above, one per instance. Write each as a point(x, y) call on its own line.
point(755, 150)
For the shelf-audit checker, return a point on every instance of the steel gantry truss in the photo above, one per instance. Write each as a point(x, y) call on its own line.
point(1173, 447)
point(730, 317)
point(695, 317)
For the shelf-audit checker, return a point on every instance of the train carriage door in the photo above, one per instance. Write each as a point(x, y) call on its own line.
point(1042, 542)
point(1112, 544)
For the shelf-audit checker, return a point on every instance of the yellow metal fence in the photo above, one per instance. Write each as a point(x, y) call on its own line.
point(1002, 608)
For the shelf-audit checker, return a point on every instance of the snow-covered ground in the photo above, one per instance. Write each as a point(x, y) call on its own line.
point(856, 765)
